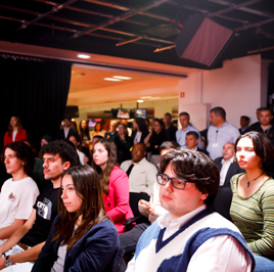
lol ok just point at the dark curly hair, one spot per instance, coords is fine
(64, 148)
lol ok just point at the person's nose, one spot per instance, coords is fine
(169, 186)
(64, 194)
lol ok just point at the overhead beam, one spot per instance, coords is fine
(120, 18)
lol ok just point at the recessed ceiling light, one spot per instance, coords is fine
(146, 97)
(83, 56)
(122, 77)
(111, 79)
(140, 101)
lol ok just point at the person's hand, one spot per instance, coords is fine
(2, 263)
(151, 209)
(148, 206)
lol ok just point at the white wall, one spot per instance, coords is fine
(236, 87)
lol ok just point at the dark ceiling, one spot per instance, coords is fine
(137, 28)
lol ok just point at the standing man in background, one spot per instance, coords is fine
(219, 132)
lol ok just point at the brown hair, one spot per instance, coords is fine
(262, 147)
(112, 159)
(87, 186)
(195, 167)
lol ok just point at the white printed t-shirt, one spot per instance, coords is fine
(16, 200)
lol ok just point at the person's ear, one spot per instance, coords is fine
(204, 196)
(66, 165)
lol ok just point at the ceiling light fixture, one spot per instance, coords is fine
(83, 56)
(140, 101)
(111, 79)
(122, 77)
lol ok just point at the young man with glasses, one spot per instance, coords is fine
(190, 237)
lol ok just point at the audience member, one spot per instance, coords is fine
(76, 140)
(114, 182)
(219, 132)
(15, 132)
(190, 237)
(98, 130)
(66, 131)
(228, 167)
(140, 130)
(82, 237)
(24, 246)
(85, 137)
(46, 139)
(186, 127)
(253, 197)
(264, 125)
(141, 173)
(151, 210)
(123, 143)
(129, 130)
(154, 139)
(170, 129)
(19, 193)
(109, 135)
(244, 123)
(192, 140)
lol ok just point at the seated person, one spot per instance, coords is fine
(253, 197)
(24, 246)
(82, 237)
(192, 141)
(114, 182)
(18, 193)
(228, 167)
(141, 173)
(151, 210)
(76, 140)
(190, 237)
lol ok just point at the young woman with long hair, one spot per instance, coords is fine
(123, 143)
(82, 237)
(114, 183)
(154, 140)
(140, 130)
(15, 132)
(253, 196)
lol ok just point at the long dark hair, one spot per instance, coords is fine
(19, 124)
(262, 147)
(141, 124)
(112, 160)
(87, 186)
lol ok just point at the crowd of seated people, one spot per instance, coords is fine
(83, 216)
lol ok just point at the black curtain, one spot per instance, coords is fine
(36, 91)
(270, 96)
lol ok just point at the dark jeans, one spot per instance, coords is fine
(129, 239)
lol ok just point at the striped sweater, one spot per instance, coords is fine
(254, 216)
(174, 253)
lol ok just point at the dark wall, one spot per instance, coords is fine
(37, 92)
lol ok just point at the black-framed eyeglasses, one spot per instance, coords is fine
(177, 183)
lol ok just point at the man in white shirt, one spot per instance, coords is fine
(141, 173)
(219, 132)
(228, 168)
(184, 119)
(190, 237)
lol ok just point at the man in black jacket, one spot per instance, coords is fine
(228, 168)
